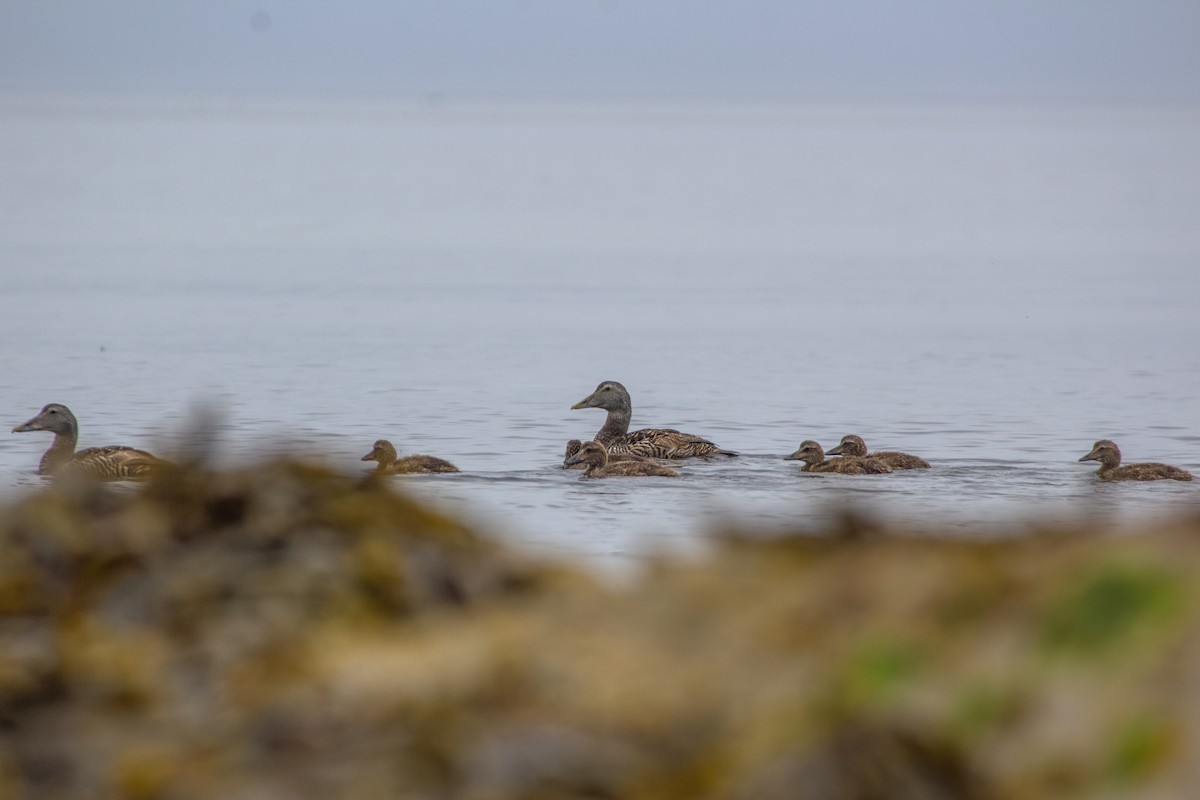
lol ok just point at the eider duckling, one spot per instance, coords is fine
(594, 457)
(390, 464)
(854, 447)
(573, 446)
(814, 461)
(112, 463)
(651, 442)
(1109, 455)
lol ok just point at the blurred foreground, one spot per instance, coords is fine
(286, 632)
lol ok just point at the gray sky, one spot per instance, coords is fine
(859, 49)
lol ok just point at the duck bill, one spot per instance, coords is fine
(32, 425)
(834, 451)
(571, 461)
(1092, 456)
(369, 456)
(793, 456)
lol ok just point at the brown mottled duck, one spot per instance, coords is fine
(652, 442)
(573, 446)
(391, 464)
(594, 457)
(854, 447)
(112, 463)
(814, 461)
(1109, 455)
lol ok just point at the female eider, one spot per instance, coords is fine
(112, 463)
(854, 447)
(814, 461)
(390, 464)
(594, 457)
(573, 446)
(652, 442)
(1109, 455)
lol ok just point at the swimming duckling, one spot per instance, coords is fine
(112, 463)
(594, 457)
(854, 447)
(1109, 455)
(652, 442)
(814, 461)
(573, 446)
(390, 464)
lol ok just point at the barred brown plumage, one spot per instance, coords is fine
(651, 442)
(573, 446)
(594, 457)
(111, 463)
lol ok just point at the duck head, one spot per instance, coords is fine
(850, 445)
(54, 417)
(384, 452)
(609, 395)
(809, 452)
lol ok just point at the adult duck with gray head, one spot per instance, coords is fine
(853, 446)
(652, 442)
(390, 462)
(112, 463)
(573, 446)
(594, 458)
(1109, 455)
(814, 460)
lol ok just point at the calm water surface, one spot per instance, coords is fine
(992, 289)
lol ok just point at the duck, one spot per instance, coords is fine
(573, 446)
(1109, 455)
(814, 460)
(391, 464)
(112, 463)
(594, 456)
(665, 443)
(853, 446)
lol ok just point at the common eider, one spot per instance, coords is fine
(573, 446)
(814, 461)
(853, 446)
(1109, 455)
(112, 463)
(651, 442)
(390, 464)
(594, 457)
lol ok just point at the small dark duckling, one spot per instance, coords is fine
(814, 461)
(651, 442)
(854, 447)
(1109, 455)
(594, 457)
(112, 463)
(573, 446)
(391, 464)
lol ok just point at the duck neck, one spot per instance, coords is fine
(596, 464)
(61, 451)
(616, 425)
